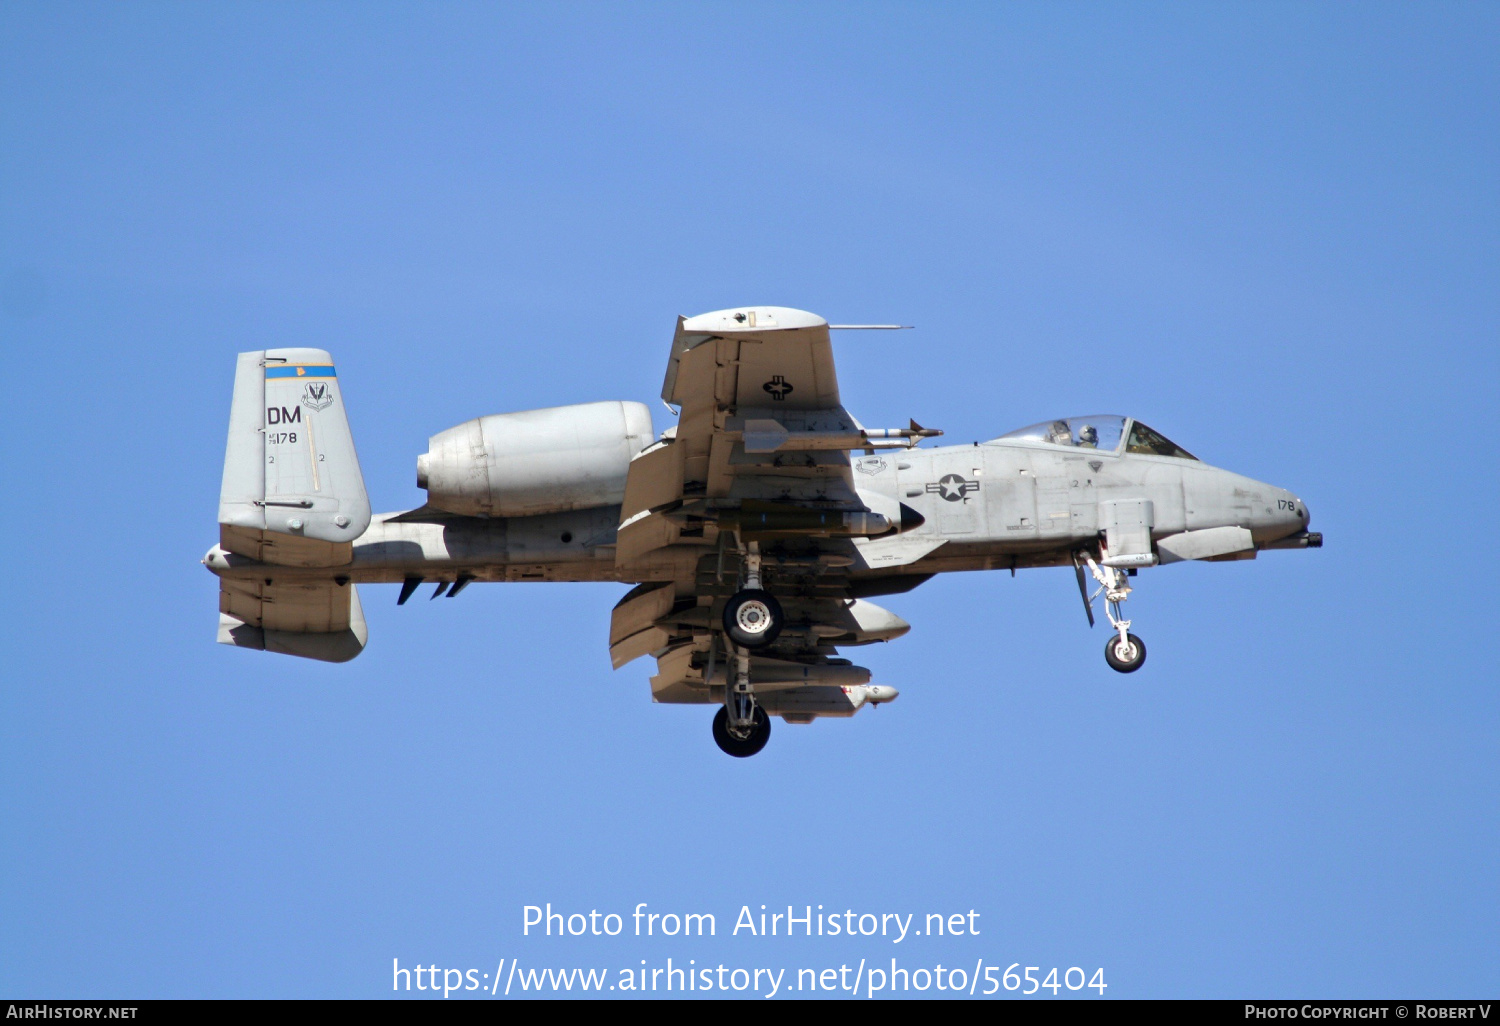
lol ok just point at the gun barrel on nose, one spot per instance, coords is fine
(1300, 540)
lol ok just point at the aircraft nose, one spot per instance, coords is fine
(1283, 515)
(1292, 518)
(1292, 510)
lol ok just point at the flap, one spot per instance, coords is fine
(641, 607)
(676, 680)
(654, 479)
(639, 537)
(632, 626)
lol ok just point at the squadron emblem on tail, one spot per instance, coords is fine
(317, 396)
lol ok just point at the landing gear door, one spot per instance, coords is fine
(1126, 525)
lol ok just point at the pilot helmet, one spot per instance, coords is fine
(1088, 433)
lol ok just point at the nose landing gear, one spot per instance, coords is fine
(752, 620)
(1125, 652)
(1125, 655)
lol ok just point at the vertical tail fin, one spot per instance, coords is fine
(292, 492)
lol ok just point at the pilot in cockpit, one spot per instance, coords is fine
(1058, 433)
(1088, 437)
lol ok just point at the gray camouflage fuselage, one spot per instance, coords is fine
(1013, 504)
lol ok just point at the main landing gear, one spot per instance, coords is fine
(741, 727)
(745, 742)
(752, 619)
(752, 616)
(1124, 652)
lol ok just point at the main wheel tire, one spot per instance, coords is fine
(760, 733)
(1130, 659)
(752, 618)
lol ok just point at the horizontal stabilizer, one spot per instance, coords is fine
(314, 620)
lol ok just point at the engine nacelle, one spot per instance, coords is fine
(537, 461)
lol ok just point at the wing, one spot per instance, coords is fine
(761, 450)
(754, 386)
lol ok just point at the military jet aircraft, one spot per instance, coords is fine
(756, 530)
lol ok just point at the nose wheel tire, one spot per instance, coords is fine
(1125, 656)
(742, 747)
(752, 618)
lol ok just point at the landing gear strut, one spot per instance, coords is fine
(752, 616)
(1125, 652)
(741, 727)
(752, 620)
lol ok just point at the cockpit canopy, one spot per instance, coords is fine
(1102, 431)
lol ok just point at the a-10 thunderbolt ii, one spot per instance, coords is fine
(755, 531)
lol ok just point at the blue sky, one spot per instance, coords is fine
(1269, 230)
